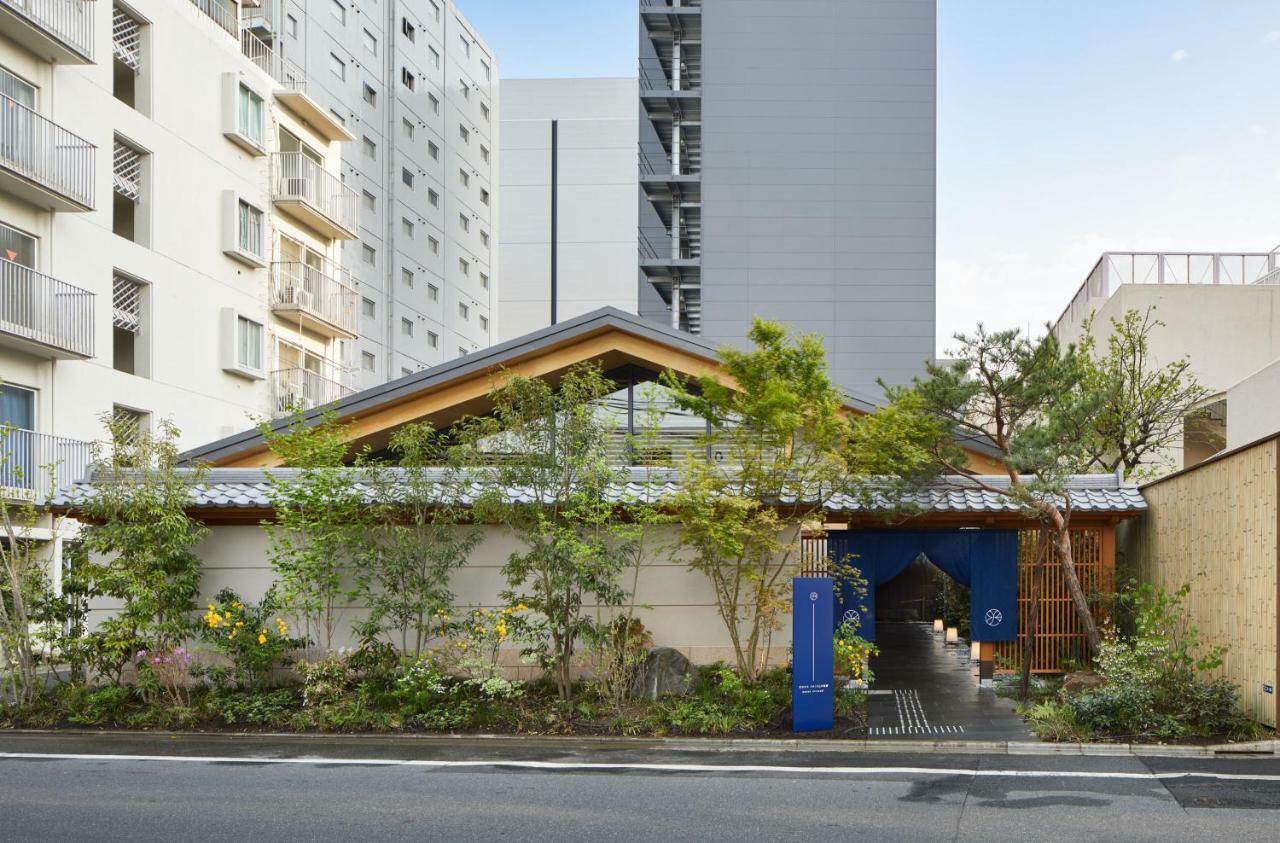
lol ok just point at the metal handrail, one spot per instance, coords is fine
(309, 288)
(38, 149)
(655, 75)
(272, 63)
(1116, 269)
(672, 4)
(42, 309)
(298, 178)
(222, 12)
(67, 21)
(33, 465)
(296, 388)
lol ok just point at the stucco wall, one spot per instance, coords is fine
(676, 605)
(1253, 407)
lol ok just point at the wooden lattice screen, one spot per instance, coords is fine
(1059, 636)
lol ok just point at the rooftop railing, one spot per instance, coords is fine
(33, 465)
(276, 66)
(1116, 269)
(44, 310)
(324, 293)
(222, 12)
(70, 22)
(44, 153)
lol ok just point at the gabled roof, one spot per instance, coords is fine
(445, 393)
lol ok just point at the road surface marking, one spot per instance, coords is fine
(571, 766)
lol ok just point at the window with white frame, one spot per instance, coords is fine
(488, 71)
(464, 134)
(435, 10)
(368, 254)
(433, 292)
(406, 227)
(464, 222)
(337, 66)
(433, 198)
(338, 11)
(463, 310)
(369, 201)
(464, 178)
(466, 45)
(409, 30)
(484, 281)
(368, 308)
(434, 245)
(484, 153)
(407, 78)
(433, 150)
(463, 266)
(434, 55)
(484, 237)
(466, 90)
(249, 337)
(406, 176)
(484, 111)
(484, 323)
(434, 101)
(406, 277)
(250, 110)
(250, 228)
(367, 361)
(370, 95)
(406, 326)
(407, 125)
(433, 339)
(370, 42)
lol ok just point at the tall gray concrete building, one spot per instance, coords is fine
(787, 170)
(417, 87)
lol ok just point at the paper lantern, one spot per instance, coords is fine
(953, 635)
(937, 625)
(975, 651)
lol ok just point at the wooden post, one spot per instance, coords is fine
(986, 663)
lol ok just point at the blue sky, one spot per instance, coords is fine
(1065, 128)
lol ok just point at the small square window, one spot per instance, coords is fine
(370, 42)
(433, 198)
(434, 245)
(406, 227)
(463, 266)
(405, 371)
(407, 125)
(464, 133)
(484, 280)
(484, 323)
(368, 361)
(464, 222)
(291, 25)
(464, 178)
(406, 176)
(406, 327)
(484, 111)
(433, 292)
(368, 308)
(370, 148)
(435, 56)
(369, 201)
(368, 254)
(463, 310)
(406, 277)
(484, 196)
(435, 9)
(433, 151)
(462, 352)
(466, 90)
(248, 344)
(433, 339)
(484, 153)
(435, 103)
(484, 237)
(370, 95)
(488, 72)
(407, 78)
(407, 28)
(337, 66)
(338, 11)
(466, 45)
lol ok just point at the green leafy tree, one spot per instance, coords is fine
(418, 535)
(552, 444)
(141, 544)
(1144, 404)
(320, 516)
(1029, 399)
(777, 431)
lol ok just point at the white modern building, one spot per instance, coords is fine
(417, 87)
(195, 227)
(568, 149)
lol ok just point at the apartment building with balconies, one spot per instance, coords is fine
(171, 214)
(417, 88)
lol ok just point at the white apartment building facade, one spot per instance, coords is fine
(418, 89)
(186, 223)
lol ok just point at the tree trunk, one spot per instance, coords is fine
(1069, 576)
(1033, 615)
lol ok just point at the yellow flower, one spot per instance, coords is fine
(239, 623)
(522, 608)
(262, 637)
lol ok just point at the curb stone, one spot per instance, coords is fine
(728, 745)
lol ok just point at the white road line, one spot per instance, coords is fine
(674, 768)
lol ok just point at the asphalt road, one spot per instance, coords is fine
(156, 787)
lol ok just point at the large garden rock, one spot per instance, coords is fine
(1075, 684)
(665, 671)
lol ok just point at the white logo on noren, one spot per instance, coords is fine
(813, 595)
(994, 617)
(852, 616)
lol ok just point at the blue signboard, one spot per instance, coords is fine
(813, 655)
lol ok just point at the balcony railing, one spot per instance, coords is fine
(1115, 269)
(320, 296)
(658, 75)
(301, 389)
(45, 311)
(45, 154)
(327, 203)
(671, 4)
(68, 23)
(222, 12)
(33, 465)
(272, 63)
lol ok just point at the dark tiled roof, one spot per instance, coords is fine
(242, 488)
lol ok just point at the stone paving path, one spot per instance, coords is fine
(925, 689)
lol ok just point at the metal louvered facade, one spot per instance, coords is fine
(126, 171)
(126, 39)
(126, 304)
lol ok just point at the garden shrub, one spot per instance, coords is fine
(253, 638)
(721, 703)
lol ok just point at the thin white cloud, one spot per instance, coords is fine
(1178, 55)
(1272, 37)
